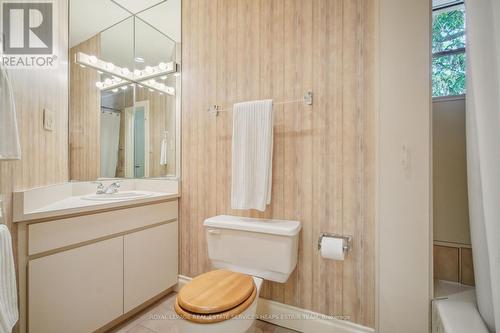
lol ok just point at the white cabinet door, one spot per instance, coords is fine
(150, 263)
(78, 290)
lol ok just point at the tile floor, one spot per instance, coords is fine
(161, 318)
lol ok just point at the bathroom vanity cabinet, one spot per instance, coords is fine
(87, 272)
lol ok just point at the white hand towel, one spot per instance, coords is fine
(8, 290)
(252, 155)
(10, 148)
(164, 152)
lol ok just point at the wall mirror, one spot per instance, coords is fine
(124, 89)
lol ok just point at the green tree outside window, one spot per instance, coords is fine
(448, 48)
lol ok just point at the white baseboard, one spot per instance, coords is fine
(182, 280)
(296, 318)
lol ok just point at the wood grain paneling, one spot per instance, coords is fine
(84, 115)
(44, 154)
(323, 155)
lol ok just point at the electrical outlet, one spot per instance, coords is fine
(48, 120)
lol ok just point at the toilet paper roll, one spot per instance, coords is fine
(332, 248)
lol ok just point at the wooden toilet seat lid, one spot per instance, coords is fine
(215, 292)
(215, 317)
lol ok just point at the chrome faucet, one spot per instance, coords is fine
(100, 188)
(111, 189)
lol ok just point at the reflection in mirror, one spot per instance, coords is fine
(113, 131)
(125, 95)
(117, 44)
(153, 48)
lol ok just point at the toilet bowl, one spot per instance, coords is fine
(244, 251)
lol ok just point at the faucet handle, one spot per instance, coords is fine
(100, 187)
(113, 187)
(116, 184)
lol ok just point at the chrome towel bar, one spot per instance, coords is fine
(307, 100)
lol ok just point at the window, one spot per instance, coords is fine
(448, 51)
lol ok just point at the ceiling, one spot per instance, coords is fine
(89, 17)
(117, 45)
(166, 17)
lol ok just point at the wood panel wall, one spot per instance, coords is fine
(44, 154)
(323, 155)
(84, 115)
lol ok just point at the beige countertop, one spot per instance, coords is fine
(65, 199)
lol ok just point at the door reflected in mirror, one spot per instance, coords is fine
(124, 90)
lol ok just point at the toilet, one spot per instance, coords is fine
(244, 252)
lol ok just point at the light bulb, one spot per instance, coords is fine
(137, 72)
(110, 66)
(99, 84)
(115, 90)
(125, 71)
(108, 81)
(149, 69)
(162, 65)
(93, 59)
(124, 88)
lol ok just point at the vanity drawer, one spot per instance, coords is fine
(47, 236)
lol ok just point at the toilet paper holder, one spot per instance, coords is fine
(347, 247)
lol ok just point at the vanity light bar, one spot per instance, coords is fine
(156, 86)
(122, 76)
(111, 84)
(163, 68)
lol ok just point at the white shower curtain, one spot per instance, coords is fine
(483, 152)
(110, 138)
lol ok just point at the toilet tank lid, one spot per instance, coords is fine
(267, 226)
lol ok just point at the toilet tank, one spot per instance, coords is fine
(264, 248)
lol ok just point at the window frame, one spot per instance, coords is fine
(461, 50)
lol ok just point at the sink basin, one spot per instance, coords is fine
(125, 195)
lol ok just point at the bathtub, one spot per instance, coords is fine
(457, 312)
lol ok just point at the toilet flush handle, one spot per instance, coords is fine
(214, 231)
